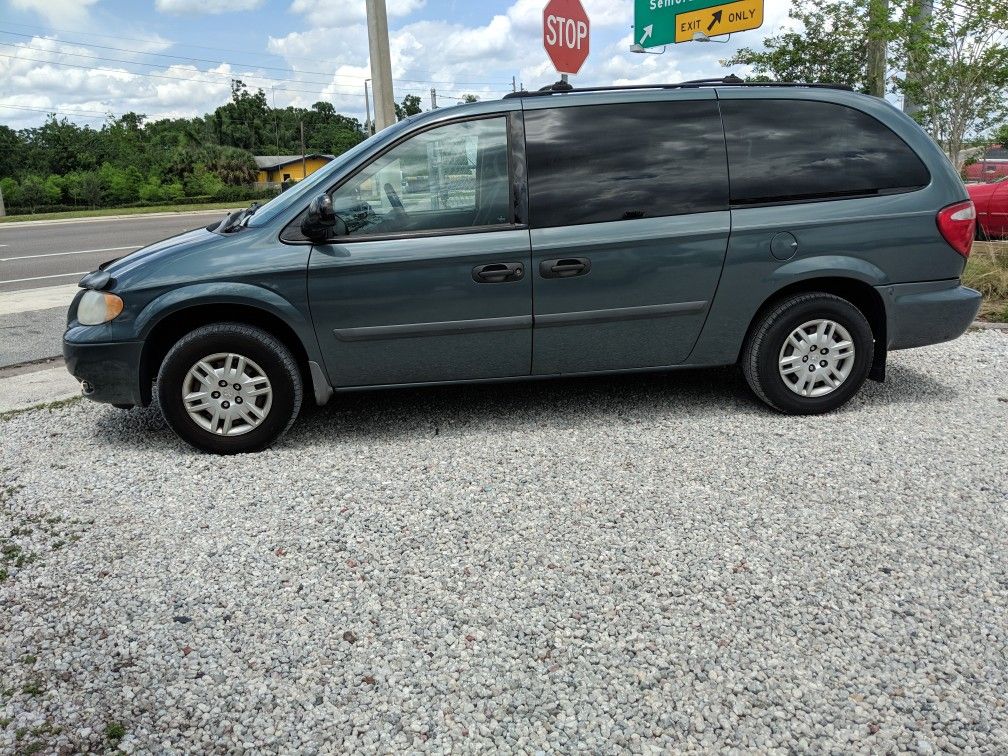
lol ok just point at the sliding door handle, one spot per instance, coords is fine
(567, 267)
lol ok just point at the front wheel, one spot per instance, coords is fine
(808, 354)
(229, 388)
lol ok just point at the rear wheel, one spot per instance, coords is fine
(808, 354)
(229, 388)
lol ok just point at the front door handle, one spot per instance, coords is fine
(498, 272)
(567, 267)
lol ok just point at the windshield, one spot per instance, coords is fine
(303, 190)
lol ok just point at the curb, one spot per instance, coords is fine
(22, 391)
(100, 218)
(981, 325)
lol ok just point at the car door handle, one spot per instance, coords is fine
(498, 272)
(567, 267)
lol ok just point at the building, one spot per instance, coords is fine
(990, 166)
(277, 169)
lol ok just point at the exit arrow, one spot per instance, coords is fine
(716, 19)
(647, 33)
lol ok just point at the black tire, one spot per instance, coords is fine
(276, 362)
(761, 353)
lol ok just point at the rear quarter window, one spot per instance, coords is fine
(601, 163)
(782, 151)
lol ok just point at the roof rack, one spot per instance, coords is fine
(563, 87)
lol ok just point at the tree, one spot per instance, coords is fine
(962, 50)
(470, 98)
(827, 42)
(410, 107)
(32, 191)
(91, 188)
(11, 191)
(1001, 136)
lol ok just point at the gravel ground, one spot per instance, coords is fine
(603, 565)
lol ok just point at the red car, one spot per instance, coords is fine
(991, 202)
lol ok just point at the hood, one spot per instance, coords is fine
(159, 251)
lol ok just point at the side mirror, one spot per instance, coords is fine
(320, 222)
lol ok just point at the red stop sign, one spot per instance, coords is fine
(565, 34)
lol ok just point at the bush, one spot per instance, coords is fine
(11, 191)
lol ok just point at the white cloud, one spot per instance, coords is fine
(321, 13)
(455, 58)
(57, 12)
(205, 6)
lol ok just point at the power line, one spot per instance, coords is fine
(359, 79)
(231, 76)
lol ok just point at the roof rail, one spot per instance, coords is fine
(562, 87)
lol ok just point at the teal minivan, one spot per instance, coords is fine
(799, 231)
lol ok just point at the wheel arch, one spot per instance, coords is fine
(858, 292)
(168, 329)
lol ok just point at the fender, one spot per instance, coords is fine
(826, 266)
(249, 295)
(744, 289)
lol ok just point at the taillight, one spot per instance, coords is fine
(957, 224)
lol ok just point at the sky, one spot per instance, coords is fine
(176, 58)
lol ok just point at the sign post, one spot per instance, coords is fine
(566, 35)
(666, 22)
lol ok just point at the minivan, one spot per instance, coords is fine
(798, 231)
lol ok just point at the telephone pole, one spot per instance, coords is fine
(368, 126)
(433, 98)
(381, 64)
(925, 10)
(878, 40)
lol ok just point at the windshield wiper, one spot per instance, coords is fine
(235, 218)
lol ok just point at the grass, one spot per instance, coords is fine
(987, 272)
(102, 212)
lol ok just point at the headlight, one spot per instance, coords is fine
(97, 307)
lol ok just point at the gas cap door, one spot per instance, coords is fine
(784, 246)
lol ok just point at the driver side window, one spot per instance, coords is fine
(450, 177)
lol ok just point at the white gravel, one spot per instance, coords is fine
(605, 565)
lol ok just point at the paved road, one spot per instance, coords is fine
(52, 254)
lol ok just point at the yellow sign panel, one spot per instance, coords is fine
(721, 19)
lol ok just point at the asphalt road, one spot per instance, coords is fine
(45, 254)
(41, 253)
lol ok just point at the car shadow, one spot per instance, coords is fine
(564, 403)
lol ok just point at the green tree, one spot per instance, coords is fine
(962, 54)
(91, 188)
(826, 42)
(470, 98)
(1001, 136)
(54, 189)
(410, 106)
(11, 191)
(32, 192)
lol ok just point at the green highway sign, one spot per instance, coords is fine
(655, 20)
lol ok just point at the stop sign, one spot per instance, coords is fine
(565, 34)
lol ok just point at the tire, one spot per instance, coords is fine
(769, 353)
(225, 420)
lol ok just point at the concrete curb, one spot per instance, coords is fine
(22, 391)
(100, 218)
(990, 326)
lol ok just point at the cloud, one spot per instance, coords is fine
(184, 7)
(339, 14)
(57, 12)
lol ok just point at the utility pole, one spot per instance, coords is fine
(367, 108)
(514, 84)
(2, 211)
(922, 20)
(304, 168)
(878, 40)
(381, 64)
(433, 98)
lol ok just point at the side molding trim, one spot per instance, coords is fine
(447, 328)
(619, 313)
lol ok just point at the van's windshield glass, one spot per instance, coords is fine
(303, 191)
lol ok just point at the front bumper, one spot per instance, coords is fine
(928, 313)
(108, 372)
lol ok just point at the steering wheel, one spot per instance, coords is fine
(393, 198)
